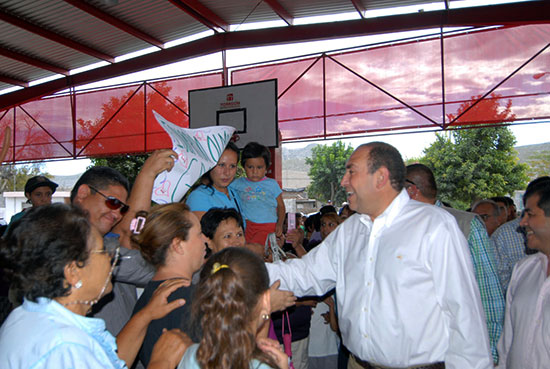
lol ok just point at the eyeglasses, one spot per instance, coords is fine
(485, 217)
(112, 202)
(409, 183)
(113, 254)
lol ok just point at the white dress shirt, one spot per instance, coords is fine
(525, 339)
(405, 287)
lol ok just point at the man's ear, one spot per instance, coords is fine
(82, 193)
(382, 177)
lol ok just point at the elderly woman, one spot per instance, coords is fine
(223, 227)
(59, 263)
(213, 192)
(172, 241)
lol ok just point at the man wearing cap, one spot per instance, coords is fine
(38, 191)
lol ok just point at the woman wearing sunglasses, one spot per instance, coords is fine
(59, 263)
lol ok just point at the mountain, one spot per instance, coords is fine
(295, 168)
(525, 152)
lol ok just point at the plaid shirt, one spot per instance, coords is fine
(484, 260)
(510, 248)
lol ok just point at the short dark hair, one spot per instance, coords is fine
(100, 177)
(326, 209)
(533, 184)
(313, 220)
(423, 178)
(542, 189)
(162, 225)
(385, 155)
(256, 150)
(496, 209)
(213, 217)
(38, 246)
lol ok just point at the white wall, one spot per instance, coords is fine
(16, 201)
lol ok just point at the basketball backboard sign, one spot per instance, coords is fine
(249, 107)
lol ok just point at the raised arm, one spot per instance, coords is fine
(140, 197)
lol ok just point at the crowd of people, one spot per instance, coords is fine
(226, 278)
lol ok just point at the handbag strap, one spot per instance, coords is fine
(287, 323)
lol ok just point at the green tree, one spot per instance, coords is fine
(14, 177)
(327, 167)
(471, 164)
(128, 165)
(539, 164)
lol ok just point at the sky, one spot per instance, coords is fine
(410, 144)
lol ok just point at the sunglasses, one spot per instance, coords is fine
(112, 202)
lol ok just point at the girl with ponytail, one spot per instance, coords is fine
(232, 305)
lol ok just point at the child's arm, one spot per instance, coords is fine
(281, 211)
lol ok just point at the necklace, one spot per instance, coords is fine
(94, 301)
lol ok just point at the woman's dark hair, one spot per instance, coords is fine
(213, 217)
(225, 304)
(255, 150)
(206, 179)
(162, 225)
(37, 247)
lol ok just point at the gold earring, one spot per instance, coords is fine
(265, 316)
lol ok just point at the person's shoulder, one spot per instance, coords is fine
(239, 184)
(529, 261)
(189, 359)
(509, 227)
(272, 182)
(42, 329)
(257, 364)
(198, 195)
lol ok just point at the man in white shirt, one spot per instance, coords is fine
(525, 339)
(405, 286)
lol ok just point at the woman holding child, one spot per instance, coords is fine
(213, 190)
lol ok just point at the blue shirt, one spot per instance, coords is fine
(45, 335)
(204, 198)
(259, 199)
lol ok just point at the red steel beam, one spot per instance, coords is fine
(115, 22)
(32, 61)
(42, 32)
(13, 81)
(280, 11)
(358, 5)
(202, 14)
(509, 14)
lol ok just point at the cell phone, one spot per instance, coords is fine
(291, 221)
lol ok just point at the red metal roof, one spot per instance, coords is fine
(45, 38)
